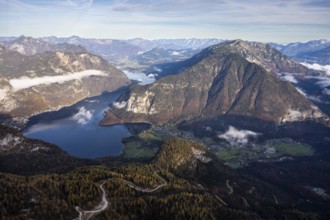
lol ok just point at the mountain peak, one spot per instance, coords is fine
(220, 80)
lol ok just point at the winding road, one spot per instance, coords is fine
(149, 190)
(97, 210)
(103, 205)
(231, 190)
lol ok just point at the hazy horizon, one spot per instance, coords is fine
(254, 20)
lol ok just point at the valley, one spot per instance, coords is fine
(203, 129)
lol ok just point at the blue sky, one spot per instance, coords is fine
(281, 21)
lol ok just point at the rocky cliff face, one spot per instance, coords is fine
(48, 81)
(218, 81)
(266, 56)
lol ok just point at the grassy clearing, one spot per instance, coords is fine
(135, 149)
(293, 149)
(236, 153)
(150, 136)
(228, 154)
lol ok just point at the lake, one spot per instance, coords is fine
(75, 129)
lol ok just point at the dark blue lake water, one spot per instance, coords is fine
(75, 129)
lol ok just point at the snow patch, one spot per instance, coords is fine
(27, 82)
(83, 116)
(316, 66)
(238, 137)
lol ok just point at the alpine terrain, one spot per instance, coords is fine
(50, 80)
(233, 78)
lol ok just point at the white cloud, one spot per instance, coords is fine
(27, 82)
(316, 66)
(289, 78)
(326, 91)
(81, 3)
(83, 116)
(175, 53)
(238, 137)
(141, 77)
(323, 82)
(40, 127)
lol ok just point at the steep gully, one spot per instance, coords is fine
(103, 205)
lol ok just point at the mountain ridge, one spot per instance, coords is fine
(52, 80)
(217, 81)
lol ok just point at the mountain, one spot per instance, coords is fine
(218, 81)
(119, 50)
(267, 57)
(160, 55)
(293, 49)
(315, 51)
(192, 43)
(277, 46)
(320, 56)
(111, 50)
(262, 54)
(184, 158)
(4, 40)
(21, 155)
(32, 46)
(51, 80)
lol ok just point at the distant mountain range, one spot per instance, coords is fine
(32, 46)
(314, 51)
(320, 56)
(231, 78)
(137, 50)
(294, 49)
